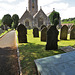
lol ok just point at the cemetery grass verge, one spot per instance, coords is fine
(4, 32)
(35, 49)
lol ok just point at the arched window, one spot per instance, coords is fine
(32, 4)
(27, 23)
(40, 22)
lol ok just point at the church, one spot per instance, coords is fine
(32, 17)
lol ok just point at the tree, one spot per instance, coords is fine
(54, 17)
(15, 19)
(7, 20)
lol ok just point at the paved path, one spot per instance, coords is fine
(9, 40)
(8, 55)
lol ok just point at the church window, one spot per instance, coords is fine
(40, 22)
(27, 23)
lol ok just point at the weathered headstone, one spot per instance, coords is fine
(48, 26)
(72, 33)
(6, 27)
(72, 26)
(52, 38)
(22, 31)
(44, 34)
(43, 26)
(2, 26)
(36, 32)
(64, 32)
(1, 31)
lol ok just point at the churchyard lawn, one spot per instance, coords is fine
(35, 49)
(4, 32)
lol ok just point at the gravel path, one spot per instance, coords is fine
(9, 40)
(8, 55)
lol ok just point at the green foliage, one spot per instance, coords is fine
(7, 20)
(56, 21)
(4, 32)
(54, 17)
(69, 20)
(0, 22)
(15, 19)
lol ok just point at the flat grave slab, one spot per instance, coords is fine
(67, 49)
(61, 64)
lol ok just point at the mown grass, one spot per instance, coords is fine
(4, 32)
(35, 49)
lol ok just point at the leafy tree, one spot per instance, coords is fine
(7, 20)
(54, 17)
(15, 19)
(0, 22)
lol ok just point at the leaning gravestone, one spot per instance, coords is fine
(44, 34)
(64, 32)
(72, 33)
(52, 38)
(22, 31)
(43, 26)
(36, 32)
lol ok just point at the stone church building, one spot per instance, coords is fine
(32, 17)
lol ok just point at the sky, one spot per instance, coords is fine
(66, 8)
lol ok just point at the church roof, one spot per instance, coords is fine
(48, 13)
(39, 12)
(25, 15)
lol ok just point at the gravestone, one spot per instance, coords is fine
(73, 27)
(1, 31)
(43, 26)
(67, 49)
(6, 27)
(22, 31)
(48, 26)
(44, 34)
(72, 33)
(2, 27)
(52, 38)
(36, 32)
(64, 32)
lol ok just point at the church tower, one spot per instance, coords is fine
(33, 6)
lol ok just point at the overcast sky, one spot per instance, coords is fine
(66, 8)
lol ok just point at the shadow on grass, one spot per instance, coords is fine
(31, 51)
